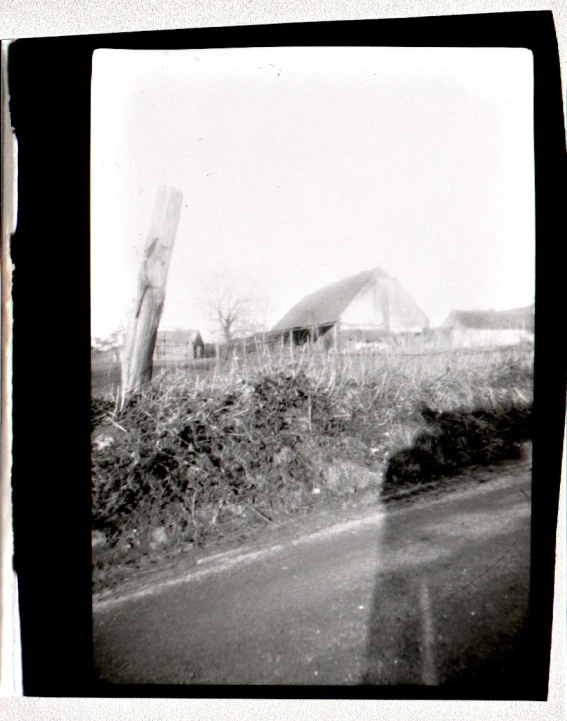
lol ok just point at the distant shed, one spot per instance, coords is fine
(178, 345)
(363, 309)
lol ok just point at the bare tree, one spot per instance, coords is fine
(234, 305)
(110, 342)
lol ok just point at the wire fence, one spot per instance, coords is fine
(106, 364)
(201, 359)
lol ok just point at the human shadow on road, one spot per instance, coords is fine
(409, 629)
(452, 441)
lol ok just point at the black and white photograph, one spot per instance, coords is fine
(312, 336)
(283, 387)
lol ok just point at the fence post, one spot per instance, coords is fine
(146, 311)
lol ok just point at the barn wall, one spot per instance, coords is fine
(471, 337)
(384, 305)
(367, 310)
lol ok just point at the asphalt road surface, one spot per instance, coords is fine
(430, 592)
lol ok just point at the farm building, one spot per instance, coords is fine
(490, 327)
(358, 312)
(178, 345)
(172, 347)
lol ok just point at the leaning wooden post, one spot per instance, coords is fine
(146, 311)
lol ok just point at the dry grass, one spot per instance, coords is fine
(268, 434)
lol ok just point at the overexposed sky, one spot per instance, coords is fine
(300, 166)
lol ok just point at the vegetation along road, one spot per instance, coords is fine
(429, 591)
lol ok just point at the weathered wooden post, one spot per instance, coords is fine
(147, 308)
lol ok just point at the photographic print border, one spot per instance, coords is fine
(49, 83)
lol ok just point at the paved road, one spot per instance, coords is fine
(433, 592)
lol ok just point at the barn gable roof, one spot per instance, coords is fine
(327, 304)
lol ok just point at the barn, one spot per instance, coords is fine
(355, 313)
(178, 345)
(490, 327)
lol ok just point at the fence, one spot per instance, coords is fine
(105, 364)
(106, 373)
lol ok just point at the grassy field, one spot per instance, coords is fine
(205, 451)
(106, 377)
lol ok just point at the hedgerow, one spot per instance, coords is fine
(256, 444)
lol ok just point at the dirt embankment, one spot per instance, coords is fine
(115, 567)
